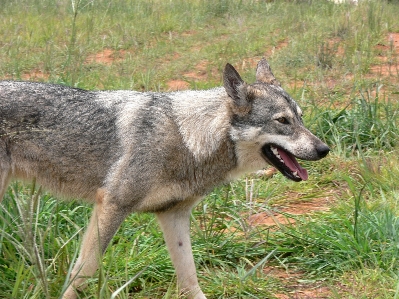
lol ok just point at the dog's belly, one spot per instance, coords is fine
(68, 176)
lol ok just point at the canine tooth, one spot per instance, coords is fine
(295, 173)
(275, 152)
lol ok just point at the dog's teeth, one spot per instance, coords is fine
(295, 173)
(275, 152)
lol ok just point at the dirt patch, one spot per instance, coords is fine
(386, 71)
(295, 285)
(388, 53)
(175, 85)
(294, 204)
(201, 72)
(313, 293)
(285, 214)
(35, 75)
(188, 33)
(107, 57)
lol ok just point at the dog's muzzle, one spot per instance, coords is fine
(287, 164)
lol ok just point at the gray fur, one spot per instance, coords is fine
(127, 151)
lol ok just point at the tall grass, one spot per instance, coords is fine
(32, 244)
(369, 122)
(358, 236)
(347, 239)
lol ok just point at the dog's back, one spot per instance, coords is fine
(58, 134)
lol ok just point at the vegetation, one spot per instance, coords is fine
(341, 63)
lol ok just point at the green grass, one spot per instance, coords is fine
(322, 53)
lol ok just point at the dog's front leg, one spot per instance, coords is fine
(175, 224)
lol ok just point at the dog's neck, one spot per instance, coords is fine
(203, 119)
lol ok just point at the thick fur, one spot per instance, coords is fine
(129, 151)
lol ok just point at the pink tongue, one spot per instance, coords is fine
(293, 164)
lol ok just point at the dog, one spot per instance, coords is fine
(129, 151)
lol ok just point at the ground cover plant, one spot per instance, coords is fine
(333, 236)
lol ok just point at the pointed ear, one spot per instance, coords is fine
(232, 81)
(264, 73)
(236, 88)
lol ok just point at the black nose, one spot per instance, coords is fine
(322, 150)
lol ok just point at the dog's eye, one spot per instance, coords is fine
(282, 120)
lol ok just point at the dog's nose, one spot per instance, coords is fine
(322, 150)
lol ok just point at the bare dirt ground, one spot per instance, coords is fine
(293, 207)
(296, 286)
(106, 56)
(35, 75)
(388, 57)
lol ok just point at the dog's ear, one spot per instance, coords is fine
(232, 81)
(236, 88)
(264, 73)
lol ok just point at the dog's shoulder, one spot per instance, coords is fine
(203, 119)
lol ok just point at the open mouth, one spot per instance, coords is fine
(285, 162)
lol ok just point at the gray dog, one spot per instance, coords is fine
(128, 151)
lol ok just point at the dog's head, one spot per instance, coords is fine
(266, 118)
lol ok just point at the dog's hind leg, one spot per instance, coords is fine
(175, 224)
(5, 171)
(104, 223)
(4, 181)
